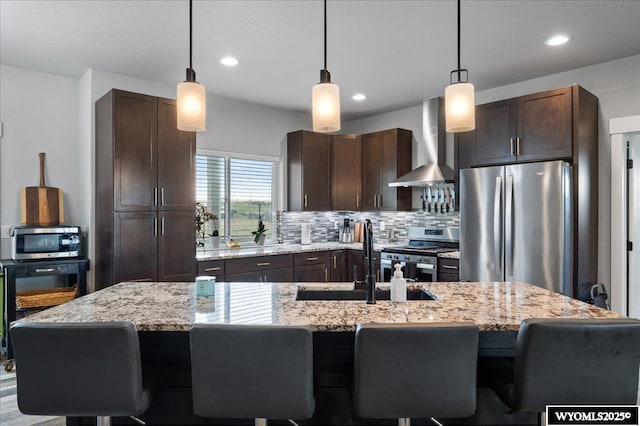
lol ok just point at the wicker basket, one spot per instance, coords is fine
(45, 297)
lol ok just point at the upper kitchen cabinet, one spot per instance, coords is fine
(386, 155)
(308, 171)
(536, 127)
(346, 172)
(145, 191)
(153, 162)
(176, 161)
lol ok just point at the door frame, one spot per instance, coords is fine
(619, 129)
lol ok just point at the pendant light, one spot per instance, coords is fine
(192, 102)
(325, 96)
(459, 98)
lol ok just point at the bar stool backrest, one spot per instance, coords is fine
(576, 361)
(416, 370)
(78, 369)
(247, 371)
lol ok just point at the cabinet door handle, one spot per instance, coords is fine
(311, 259)
(162, 226)
(155, 196)
(449, 267)
(212, 269)
(162, 196)
(263, 264)
(375, 201)
(518, 146)
(155, 226)
(305, 200)
(357, 201)
(335, 262)
(511, 145)
(326, 275)
(379, 201)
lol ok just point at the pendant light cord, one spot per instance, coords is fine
(325, 34)
(459, 41)
(191, 34)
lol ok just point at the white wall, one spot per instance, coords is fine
(615, 83)
(40, 114)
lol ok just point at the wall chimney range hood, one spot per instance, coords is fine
(433, 133)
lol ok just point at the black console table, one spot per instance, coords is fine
(35, 268)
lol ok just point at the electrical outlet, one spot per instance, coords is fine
(4, 231)
(382, 226)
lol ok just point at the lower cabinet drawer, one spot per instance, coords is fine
(259, 263)
(213, 268)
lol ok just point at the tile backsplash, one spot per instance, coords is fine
(326, 226)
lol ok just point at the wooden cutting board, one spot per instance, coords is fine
(42, 205)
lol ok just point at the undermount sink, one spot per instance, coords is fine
(320, 294)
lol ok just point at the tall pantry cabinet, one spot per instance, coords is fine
(145, 191)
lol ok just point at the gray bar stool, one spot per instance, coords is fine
(245, 371)
(416, 370)
(571, 362)
(79, 369)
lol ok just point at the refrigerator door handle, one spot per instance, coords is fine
(509, 228)
(497, 223)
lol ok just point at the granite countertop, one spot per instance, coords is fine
(493, 306)
(286, 248)
(450, 255)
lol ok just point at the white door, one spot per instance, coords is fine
(634, 227)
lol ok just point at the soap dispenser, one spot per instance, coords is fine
(398, 285)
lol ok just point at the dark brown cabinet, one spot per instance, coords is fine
(448, 269)
(356, 267)
(277, 268)
(145, 191)
(212, 268)
(311, 267)
(308, 171)
(386, 156)
(338, 266)
(535, 127)
(346, 172)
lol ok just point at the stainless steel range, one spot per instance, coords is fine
(419, 259)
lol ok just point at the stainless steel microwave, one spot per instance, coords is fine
(44, 242)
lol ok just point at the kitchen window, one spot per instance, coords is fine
(237, 188)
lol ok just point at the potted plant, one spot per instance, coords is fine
(258, 234)
(202, 217)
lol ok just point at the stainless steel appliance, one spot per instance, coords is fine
(44, 242)
(515, 224)
(419, 259)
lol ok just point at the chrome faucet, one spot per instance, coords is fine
(370, 277)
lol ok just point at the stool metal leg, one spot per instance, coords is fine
(435, 422)
(103, 421)
(404, 421)
(261, 422)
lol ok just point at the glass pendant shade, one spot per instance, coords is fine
(192, 106)
(459, 104)
(325, 101)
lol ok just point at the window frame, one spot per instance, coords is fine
(275, 196)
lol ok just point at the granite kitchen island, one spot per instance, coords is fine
(164, 313)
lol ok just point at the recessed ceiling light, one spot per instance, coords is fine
(358, 97)
(557, 40)
(229, 61)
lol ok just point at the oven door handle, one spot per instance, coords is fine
(425, 266)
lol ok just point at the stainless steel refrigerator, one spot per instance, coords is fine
(515, 225)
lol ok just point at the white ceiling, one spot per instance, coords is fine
(396, 52)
